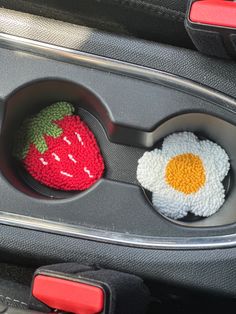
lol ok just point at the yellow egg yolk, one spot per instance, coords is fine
(185, 173)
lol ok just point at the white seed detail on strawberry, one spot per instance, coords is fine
(79, 138)
(66, 140)
(72, 158)
(57, 158)
(88, 172)
(58, 149)
(45, 163)
(66, 174)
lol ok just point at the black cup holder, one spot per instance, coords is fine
(31, 98)
(221, 132)
(28, 100)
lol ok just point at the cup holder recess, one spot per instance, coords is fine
(31, 98)
(205, 126)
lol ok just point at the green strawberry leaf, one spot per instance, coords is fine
(33, 130)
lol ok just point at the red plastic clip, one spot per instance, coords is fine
(214, 12)
(68, 296)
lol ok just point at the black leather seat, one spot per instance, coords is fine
(157, 20)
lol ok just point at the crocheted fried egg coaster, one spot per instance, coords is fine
(185, 175)
(58, 149)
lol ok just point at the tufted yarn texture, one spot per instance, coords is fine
(58, 149)
(185, 176)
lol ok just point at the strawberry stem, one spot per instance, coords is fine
(33, 130)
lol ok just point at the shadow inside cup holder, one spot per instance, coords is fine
(121, 146)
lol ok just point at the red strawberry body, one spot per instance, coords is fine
(72, 160)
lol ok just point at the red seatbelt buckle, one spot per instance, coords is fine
(211, 24)
(70, 294)
(83, 289)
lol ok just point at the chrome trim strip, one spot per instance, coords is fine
(102, 63)
(190, 243)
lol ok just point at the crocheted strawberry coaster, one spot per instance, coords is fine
(58, 149)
